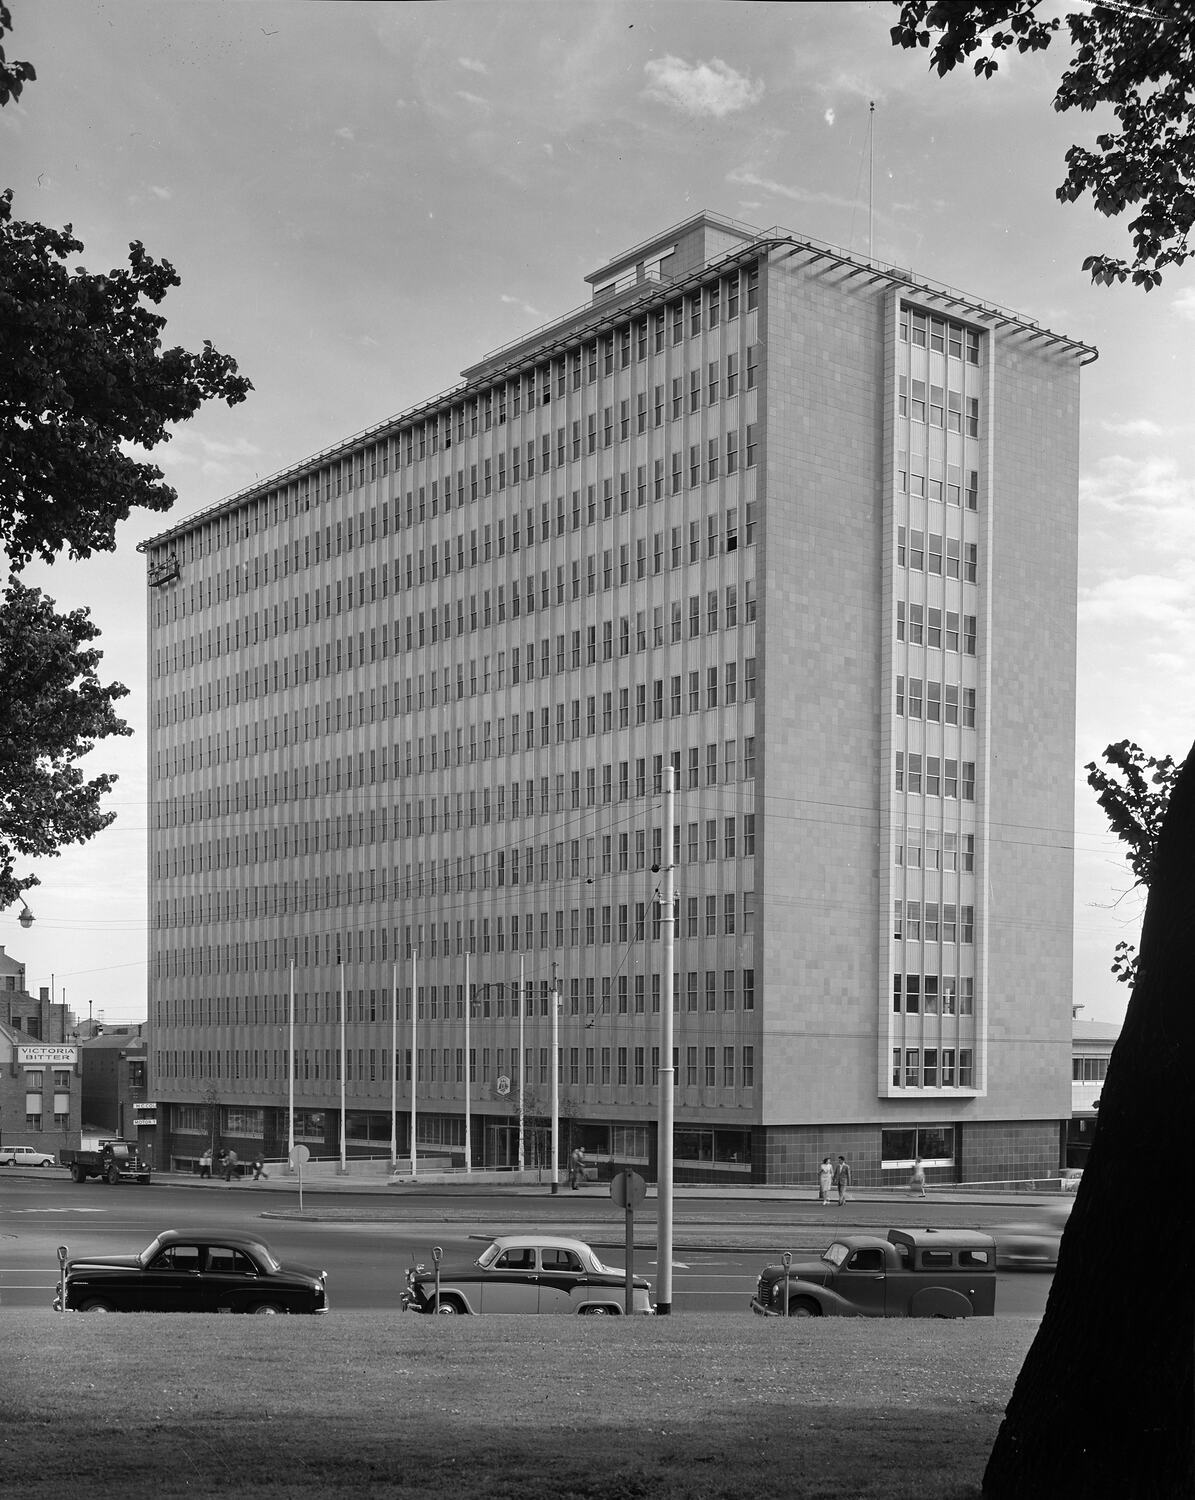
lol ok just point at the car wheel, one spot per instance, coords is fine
(96, 1304)
(266, 1309)
(78, 1174)
(114, 1174)
(804, 1307)
(449, 1308)
(599, 1310)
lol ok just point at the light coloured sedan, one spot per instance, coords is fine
(25, 1156)
(526, 1273)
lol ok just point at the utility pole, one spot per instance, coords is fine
(664, 1144)
(555, 1080)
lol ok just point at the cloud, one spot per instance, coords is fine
(164, 194)
(474, 99)
(1136, 427)
(345, 133)
(829, 116)
(741, 177)
(712, 88)
(1160, 600)
(1184, 303)
(472, 65)
(524, 307)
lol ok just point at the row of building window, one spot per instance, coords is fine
(933, 1067)
(623, 1067)
(939, 335)
(300, 783)
(933, 921)
(934, 776)
(934, 994)
(725, 838)
(919, 487)
(622, 994)
(939, 705)
(922, 626)
(732, 912)
(930, 552)
(943, 849)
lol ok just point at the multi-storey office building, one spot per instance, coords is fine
(804, 526)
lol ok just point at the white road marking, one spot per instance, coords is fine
(13, 1212)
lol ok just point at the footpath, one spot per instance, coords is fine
(706, 1216)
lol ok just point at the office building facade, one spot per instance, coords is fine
(800, 525)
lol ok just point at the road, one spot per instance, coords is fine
(366, 1242)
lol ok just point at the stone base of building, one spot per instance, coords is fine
(983, 1151)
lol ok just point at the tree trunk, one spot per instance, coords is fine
(1103, 1405)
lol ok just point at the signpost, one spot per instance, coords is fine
(298, 1155)
(628, 1190)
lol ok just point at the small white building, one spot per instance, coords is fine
(1091, 1047)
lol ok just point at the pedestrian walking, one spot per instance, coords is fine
(917, 1181)
(205, 1163)
(842, 1179)
(230, 1165)
(576, 1168)
(825, 1180)
(259, 1168)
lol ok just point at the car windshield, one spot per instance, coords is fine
(489, 1254)
(150, 1251)
(836, 1254)
(265, 1257)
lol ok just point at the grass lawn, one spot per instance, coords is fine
(354, 1404)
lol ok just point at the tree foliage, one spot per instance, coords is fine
(1138, 59)
(1135, 794)
(84, 380)
(13, 75)
(55, 711)
(82, 374)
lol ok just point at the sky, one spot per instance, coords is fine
(364, 199)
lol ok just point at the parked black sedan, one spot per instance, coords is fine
(207, 1271)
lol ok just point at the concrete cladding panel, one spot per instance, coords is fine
(819, 724)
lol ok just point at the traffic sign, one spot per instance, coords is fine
(628, 1189)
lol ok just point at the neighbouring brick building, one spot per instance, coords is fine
(40, 1075)
(800, 523)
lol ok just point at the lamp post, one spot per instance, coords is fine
(555, 1081)
(664, 1145)
(468, 1122)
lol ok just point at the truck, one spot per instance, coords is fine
(114, 1160)
(913, 1273)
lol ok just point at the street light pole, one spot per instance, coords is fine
(290, 1068)
(555, 1081)
(664, 1144)
(414, 1059)
(468, 1008)
(344, 1062)
(394, 1066)
(522, 1060)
